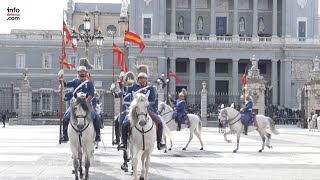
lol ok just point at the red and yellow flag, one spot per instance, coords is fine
(68, 36)
(64, 56)
(244, 80)
(117, 50)
(134, 38)
(124, 66)
(175, 76)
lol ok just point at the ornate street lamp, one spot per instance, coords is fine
(162, 83)
(85, 35)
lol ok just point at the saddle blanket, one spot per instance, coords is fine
(251, 118)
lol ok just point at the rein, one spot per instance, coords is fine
(143, 133)
(229, 121)
(79, 131)
(165, 114)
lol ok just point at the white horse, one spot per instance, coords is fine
(81, 134)
(312, 122)
(165, 111)
(232, 117)
(318, 123)
(143, 135)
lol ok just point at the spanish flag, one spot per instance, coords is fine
(117, 50)
(124, 66)
(134, 38)
(63, 58)
(175, 76)
(68, 36)
(244, 78)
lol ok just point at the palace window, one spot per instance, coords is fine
(263, 68)
(200, 67)
(20, 61)
(242, 68)
(147, 23)
(46, 102)
(73, 59)
(98, 62)
(181, 66)
(222, 68)
(46, 61)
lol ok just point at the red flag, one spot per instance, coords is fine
(134, 38)
(124, 66)
(175, 76)
(68, 36)
(120, 54)
(244, 80)
(63, 58)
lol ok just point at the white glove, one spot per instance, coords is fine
(122, 74)
(60, 74)
(112, 87)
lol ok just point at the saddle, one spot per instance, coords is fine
(248, 117)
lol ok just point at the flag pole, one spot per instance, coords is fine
(113, 101)
(61, 81)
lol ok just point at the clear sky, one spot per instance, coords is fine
(37, 14)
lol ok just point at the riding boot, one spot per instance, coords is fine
(97, 129)
(246, 124)
(179, 124)
(124, 138)
(65, 137)
(117, 133)
(159, 137)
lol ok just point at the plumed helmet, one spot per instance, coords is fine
(130, 78)
(85, 62)
(142, 68)
(82, 68)
(183, 92)
(142, 74)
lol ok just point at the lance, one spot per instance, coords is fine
(61, 82)
(113, 103)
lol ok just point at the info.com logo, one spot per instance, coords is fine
(13, 14)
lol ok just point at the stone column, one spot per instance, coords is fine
(274, 81)
(255, 19)
(274, 18)
(162, 19)
(172, 82)
(173, 17)
(212, 19)
(212, 80)
(162, 61)
(235, 18)
(192, 80)
(316, 20)
(282, 83)
(235, 76)
(204, 104)
(132, 63)
(25, 103)
(193, 18)
(287, 83)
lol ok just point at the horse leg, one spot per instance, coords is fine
(87, 166)
(263, 140)
(135, 163)
(143, 157)
(238, 140)
(147, 164)
(171, 144)
(76, 165)
(225, 136)
(165, 142)
(80, 164)
(268, 135)
(190, 138)
(199, 137)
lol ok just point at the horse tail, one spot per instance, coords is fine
(199, 125)
(272, 127)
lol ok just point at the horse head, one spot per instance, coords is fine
(138, 110)
(79, 110)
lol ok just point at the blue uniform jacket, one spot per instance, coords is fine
(248, 107)
(152, 96)
(86, 88)
(126, 100)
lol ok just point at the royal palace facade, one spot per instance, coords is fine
(208, 41)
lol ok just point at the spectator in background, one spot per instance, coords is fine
(4, 117)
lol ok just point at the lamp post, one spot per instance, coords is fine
(86, 36)
(162, 83)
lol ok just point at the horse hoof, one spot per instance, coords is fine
(96, 147)
(229, 141)
(76, 178)
(165, 151)
(73, 172)
(234, 151)
(141, 178)
(201, 149)
(260, 150)
(183, 149)
(270, 147)
(124, 168)
(81, 176)
(170, 149)
(131, 173)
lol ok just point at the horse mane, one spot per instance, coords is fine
(83, 103)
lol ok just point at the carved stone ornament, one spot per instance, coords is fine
(255, 96)
(302, 3)
(147, 2)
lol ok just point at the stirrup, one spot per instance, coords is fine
(64, 139)
(122, 146)
(115, 142)
(161, 146)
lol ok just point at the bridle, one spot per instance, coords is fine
(231, 119)
(142, 132)
(77, 130)
(159, 112)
